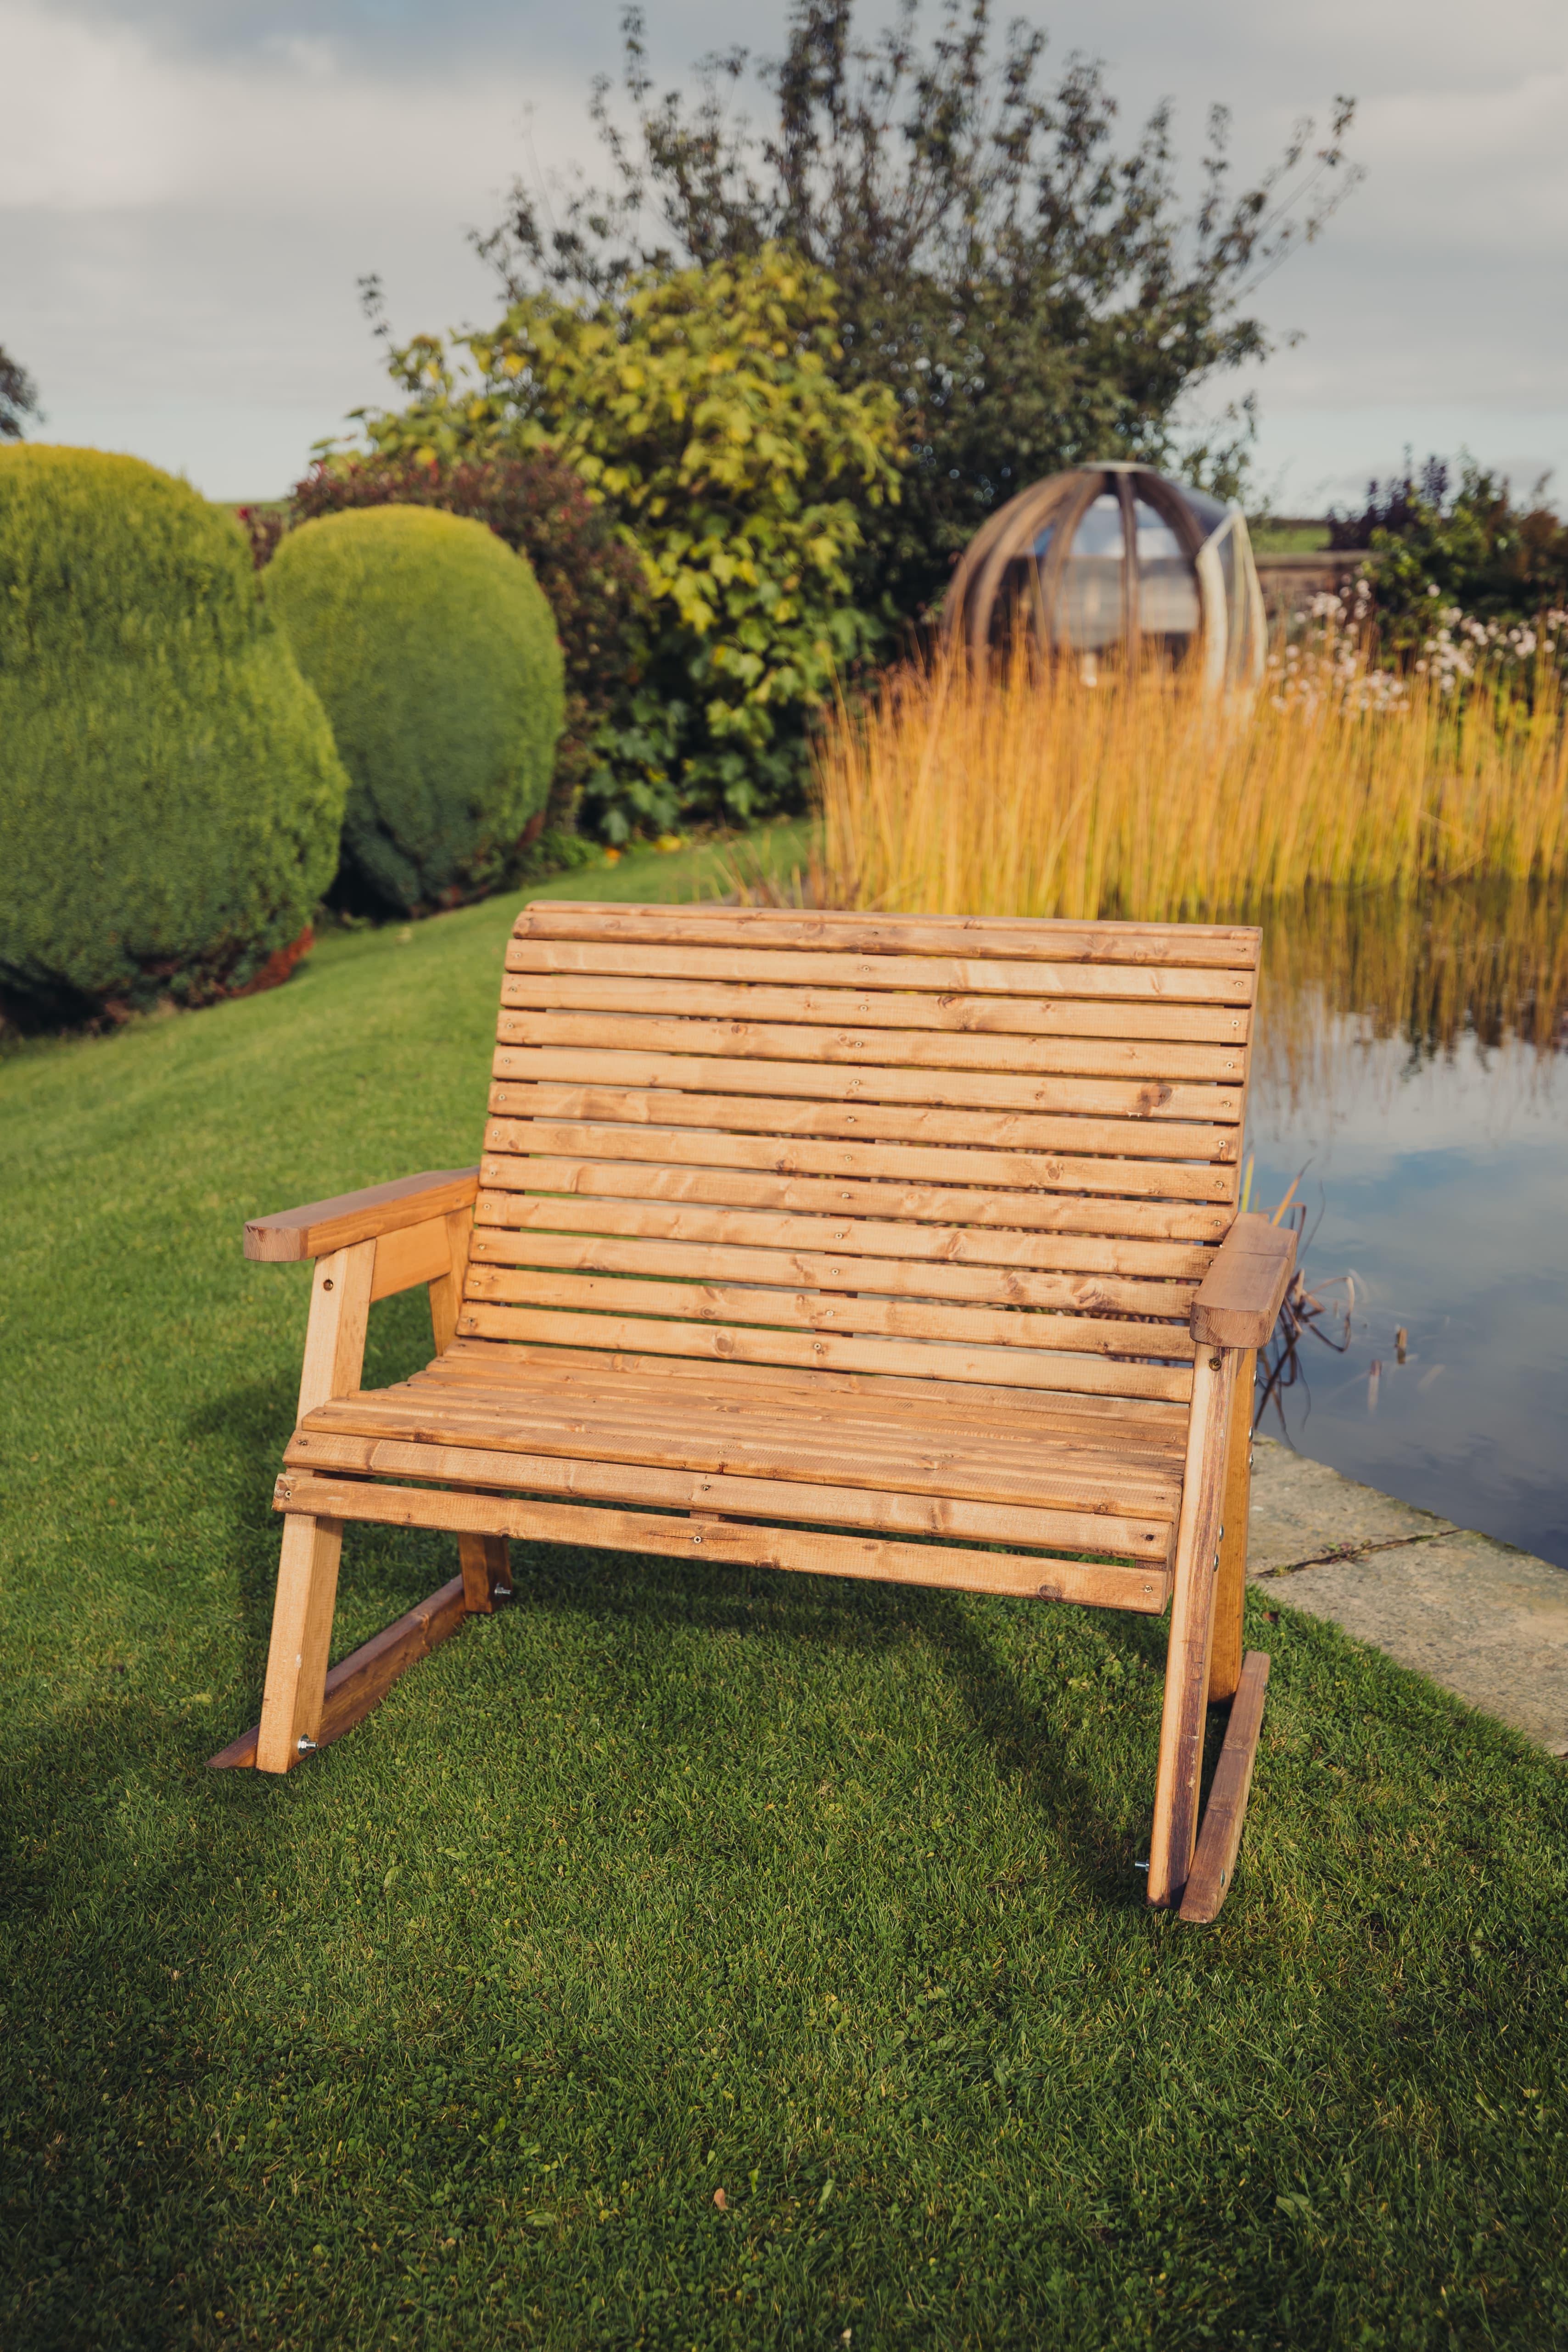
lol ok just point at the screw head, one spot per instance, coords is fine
(306, 1746)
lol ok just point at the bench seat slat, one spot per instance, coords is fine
(881, 1511)
(1123, 1100)
(1035, 1413)
(943, 1208)
(1034, 1020)
(939, 974)
(949, 1164)
(1039, 1460)
(1103, 1586)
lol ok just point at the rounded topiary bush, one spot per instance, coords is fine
(170, 797)
(434, 654)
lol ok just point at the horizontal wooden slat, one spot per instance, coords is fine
(515, 1213)
(944, 1208)
(939, 974)
(1130, 1060)
(749, 1497)
(1064, 1463)
(1064, 1294)
(729, 1342)
(1222, 946)
(983, 1130)
(1071, 1020)
(1029, 1414)
(323, 1226)
(946, 1165)
(1143, 1589)
(1155, 1100)
(815, 1310)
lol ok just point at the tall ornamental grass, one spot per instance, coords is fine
(1025, 790)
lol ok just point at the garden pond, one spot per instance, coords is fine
(1411, 1081)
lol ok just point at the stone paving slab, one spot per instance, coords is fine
(1488, 1623)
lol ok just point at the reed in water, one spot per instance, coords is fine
(1025, 789)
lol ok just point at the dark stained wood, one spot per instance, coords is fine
(362, 1680)
(1213, 1864)
(1239, 1301)
(323, 1225)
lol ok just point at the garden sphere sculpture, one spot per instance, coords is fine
(1112, 560)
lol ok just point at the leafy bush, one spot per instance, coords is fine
(539, 505)
(434, 651)
(170, 798)
(702, 409)
(1446, 557)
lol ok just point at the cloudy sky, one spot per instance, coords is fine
(190, 191)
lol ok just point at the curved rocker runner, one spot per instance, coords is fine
(901, 1247)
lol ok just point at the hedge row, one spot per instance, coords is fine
(184, 763)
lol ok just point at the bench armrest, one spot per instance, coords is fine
(321, 1226)
(1239, 1298)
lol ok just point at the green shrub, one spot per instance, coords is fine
(435, 653)
(170, 798)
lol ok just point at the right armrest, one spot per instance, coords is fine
(321, 1226)
(1237, 1303)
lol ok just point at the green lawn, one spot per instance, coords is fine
(672, 1881)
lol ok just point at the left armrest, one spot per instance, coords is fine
(1239, 1298)
(323, 1226)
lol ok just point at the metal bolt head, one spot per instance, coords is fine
(305, 1746)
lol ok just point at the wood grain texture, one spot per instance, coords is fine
(1006, 1367)
(1230, 1584)
(1170, 946)
(950, 1207)
(1239, 1303)
(855, 1118)
(295, 1690)
(1073, 1020)
(752, 1496)
(680, 1065)
(1214, 1863)
(936, 975)
(934, 1164)
(411, 1254)
(447, 1289)
(695, 1023)
(1192, 1626)
(362, 1680)
(323, 1225)
(515, 1222)
(1092, 1584)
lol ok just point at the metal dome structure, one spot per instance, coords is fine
(1110, 559)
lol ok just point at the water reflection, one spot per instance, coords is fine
(1411, 1062)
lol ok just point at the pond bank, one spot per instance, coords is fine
(1484, 1619)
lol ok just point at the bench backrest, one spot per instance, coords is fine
(969, 1151)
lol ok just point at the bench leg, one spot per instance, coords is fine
(296, 1687)
(487, 1572)
(1192, 1627)
(1213, 1864)
(1230, 1590)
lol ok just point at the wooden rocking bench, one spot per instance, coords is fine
(893, 1247)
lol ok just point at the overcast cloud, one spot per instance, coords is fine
(188, 194)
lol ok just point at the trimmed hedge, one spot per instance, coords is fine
(436, 655)
(170, 797)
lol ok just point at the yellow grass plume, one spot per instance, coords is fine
(1025, 791)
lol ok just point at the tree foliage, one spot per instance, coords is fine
(1035, 294)
(18, 397)
(1438, 545)
(702, 406)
